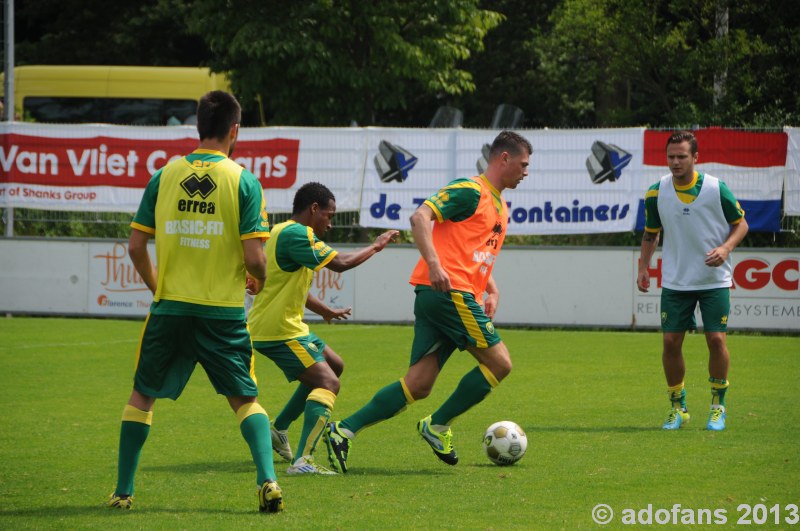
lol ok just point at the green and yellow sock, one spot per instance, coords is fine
(316, 416)
(132, 436)
(293, 408)
(677, 396)
(386, 403)
(718, 389)
(254, 425)
(472, 388)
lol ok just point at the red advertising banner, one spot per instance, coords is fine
(129, 163)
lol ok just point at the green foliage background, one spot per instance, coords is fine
(565, 63)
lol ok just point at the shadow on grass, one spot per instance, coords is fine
(592, 429)
(200, 467)
(501, 469)
(236, 467)
(102, 511)
(373, 471)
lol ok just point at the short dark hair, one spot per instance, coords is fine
(511, 142)
(679, 137)
(217, 112)
(311, 193)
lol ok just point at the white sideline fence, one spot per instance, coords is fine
(539, 287)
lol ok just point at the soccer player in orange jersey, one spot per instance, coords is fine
(459, 232)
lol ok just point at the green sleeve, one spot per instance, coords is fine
(253, 218)
(298, 246)
(730, 206)
(146, 214)
(652, 220)
(457, 201)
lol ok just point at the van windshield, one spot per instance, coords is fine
(120, 111)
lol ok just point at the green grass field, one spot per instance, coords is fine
(591, 404)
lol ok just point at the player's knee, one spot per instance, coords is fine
(320, 375)
(421, 394)
(672, 345)
(497, 361)
(420, 391)
(331, 384)
(716, 343)
(337, 366)
(335, 362)
(502, 368)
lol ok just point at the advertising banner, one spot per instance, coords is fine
(114, 286)
(337, 290)
(791, 189)
(578, 180)
(331, 156)
(105, 168)
(765, 293)
(752, 164)
(539, 286)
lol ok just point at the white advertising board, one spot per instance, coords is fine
(337, 290)
(115, 288)
(538, 287)
(41, 276)
(765, 294)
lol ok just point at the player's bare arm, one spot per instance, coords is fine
(326, 312)
(255, 262)
(648, 249)
(492, 298)
(344, 261)
(140, 256)
(716, 257)
(421, 228)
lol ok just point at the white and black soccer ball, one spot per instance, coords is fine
(505, 443)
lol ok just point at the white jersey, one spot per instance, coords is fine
(691, 231)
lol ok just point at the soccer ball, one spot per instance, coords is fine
(505, 443)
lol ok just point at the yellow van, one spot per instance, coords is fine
(132, 95)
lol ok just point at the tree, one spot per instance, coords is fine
(325, 62)
(627, 62)
(508, 70)
(98, 32)
(762, 89)
(566, 63)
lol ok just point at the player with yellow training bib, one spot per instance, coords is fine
(294, 252)
(207, 213)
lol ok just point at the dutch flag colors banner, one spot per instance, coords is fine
(752, 164)
(791, 199)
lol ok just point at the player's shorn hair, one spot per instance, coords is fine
(311, 193)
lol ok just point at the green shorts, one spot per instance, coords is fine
(677, 309)
(172, 345)
(293, 356)
(446, 321)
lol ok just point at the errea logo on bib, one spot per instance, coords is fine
(194, 185)
(202, 186)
